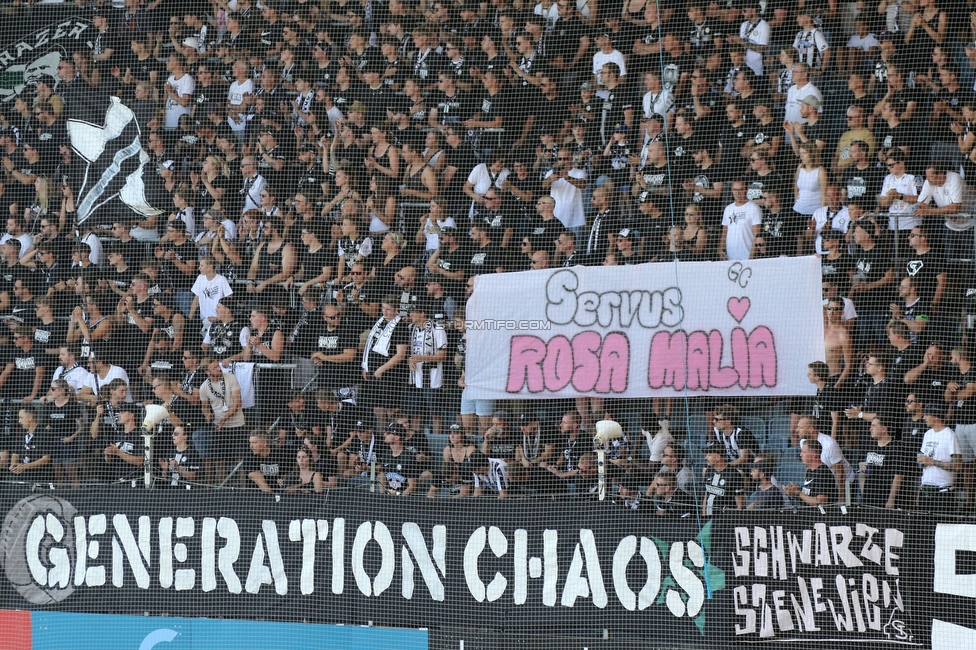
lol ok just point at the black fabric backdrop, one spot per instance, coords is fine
(840, 578)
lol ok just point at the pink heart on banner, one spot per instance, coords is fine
(739, 307)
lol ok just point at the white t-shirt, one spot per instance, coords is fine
(864, 44)
(839, 221)
(757, 34)
(600, 58)
(660, 104)
(942, 446)
(904, 185)
(76, 378)
(793, 98)
(831, 454)
(183, 87)
(949, 193)
(569, 199)
(95, 382)
(209, 292)
(25, 242)
(235, 95)
(740, 220)
(481, 180)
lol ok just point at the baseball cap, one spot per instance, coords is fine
(645, 197)
(192, 41)
(810, 100)
(358, 107)
(586, 85)
(622, 128)
(626, 233)
(710, 447)
(455, 428)
(934, 408)
(360, 425)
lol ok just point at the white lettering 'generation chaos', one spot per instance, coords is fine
(111, 549)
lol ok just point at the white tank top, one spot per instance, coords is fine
(808, 200)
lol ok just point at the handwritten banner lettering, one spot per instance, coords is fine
(650, 330)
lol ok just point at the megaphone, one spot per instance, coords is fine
(154, 415)
(607, 430)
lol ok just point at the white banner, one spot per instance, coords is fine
(651, 330)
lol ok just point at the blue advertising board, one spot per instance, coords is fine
(69, 631)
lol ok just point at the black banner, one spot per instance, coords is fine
(843, 578)
(354, 557)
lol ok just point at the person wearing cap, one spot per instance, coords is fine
(818, 487)
(767, 496)
(813, 129)
(741, 224)
(723, 485)
(400, 471)
(627, 244)
(619, 101)
(941, 459)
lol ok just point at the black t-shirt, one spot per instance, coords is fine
(130, 443)
(188, 460)
(863, 183)
(884, 463)
(504, 447)
(62, 420)
(51, 335)
(485, 259)
(611, 110)
(820, 481)
(965, 410)
(925, 269)
(904, 360)
(871, 266)
(564, 39)
(453, 109)
(721, 489)
(931, 385)
(272, 467)
(344, 337)
(33, 447)
(398, 469)
(20, 383)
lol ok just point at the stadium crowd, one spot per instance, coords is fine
(332, 176)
